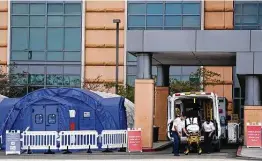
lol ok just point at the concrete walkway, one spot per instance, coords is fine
(250, 153)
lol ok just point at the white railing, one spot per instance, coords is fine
(1, 140)
(39, 140)
(86, 139)
(114, 138)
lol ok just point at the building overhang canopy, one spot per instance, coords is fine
(194, 47)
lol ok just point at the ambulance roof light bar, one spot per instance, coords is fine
(189, 93)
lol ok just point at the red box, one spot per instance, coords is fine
(254, 136)
(134, 141)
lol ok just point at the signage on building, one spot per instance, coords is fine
(253, 136)
(13, 145)
(134, 140)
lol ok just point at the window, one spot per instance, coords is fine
(46, 33)
(46, 27)
(168, 15)
(248, 15)
(181, 73)
(51, 119)
(39, 119)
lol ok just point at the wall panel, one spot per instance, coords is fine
(100, 39)
(98, 56)
(103, 37)
(3, 33)
(219, 16)
(107, 73)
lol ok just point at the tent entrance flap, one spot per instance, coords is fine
(45, 117)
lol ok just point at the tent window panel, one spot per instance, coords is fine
(51, 118)
(39, 119)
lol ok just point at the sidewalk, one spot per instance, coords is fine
(250, 153)
(158, 146)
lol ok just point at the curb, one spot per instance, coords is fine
(240, 156)
(239, 150)
(163, 147)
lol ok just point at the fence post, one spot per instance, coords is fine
(122, 149)
(49, 151)
(89, 150)
(67, 151)
(1, 142)
(29, 150)
(107, 150)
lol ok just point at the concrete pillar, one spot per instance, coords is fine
(144, 98)
(252, 91)
(161, 94)
(162, 76)
(144, 66)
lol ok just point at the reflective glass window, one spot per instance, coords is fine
(164, 15)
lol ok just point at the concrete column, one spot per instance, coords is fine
(144, 98)
(162, 76)
(161, 94)
(252, 91)
(144, 66)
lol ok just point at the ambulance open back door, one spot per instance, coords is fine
(170, 115)
(180, 97)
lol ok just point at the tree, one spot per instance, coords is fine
(11, 85)
(98, 84)
(195, 83)
(125, 91)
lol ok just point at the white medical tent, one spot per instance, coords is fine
(130, 106)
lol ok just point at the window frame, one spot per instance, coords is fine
(36, 120)
(163, 26)
(40, 56)
(238, 5)
(46, 28)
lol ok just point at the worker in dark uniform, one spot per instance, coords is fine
(178, 126)
(209, 130)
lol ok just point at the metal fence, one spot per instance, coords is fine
(114, 138)
(70, 140)
(78, 139)
(39, 140)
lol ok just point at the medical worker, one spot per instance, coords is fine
(178, 126)
(209, 130)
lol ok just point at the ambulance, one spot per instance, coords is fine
(204, 105)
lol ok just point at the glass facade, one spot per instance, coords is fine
(46, 42)
(132, 68)
(164, 15)
(181, 73)
(248, 15)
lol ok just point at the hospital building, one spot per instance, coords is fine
(66, 43)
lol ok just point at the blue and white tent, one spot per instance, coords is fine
(57, 109)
